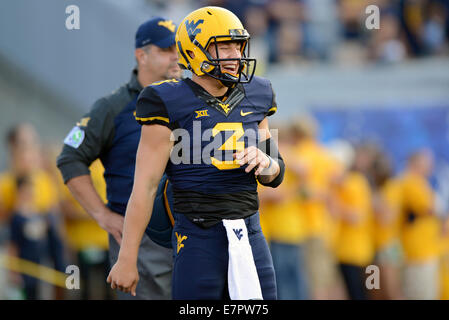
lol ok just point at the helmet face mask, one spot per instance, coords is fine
(246, 66)
(213, 25)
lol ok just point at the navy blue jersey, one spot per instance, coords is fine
(209, 130)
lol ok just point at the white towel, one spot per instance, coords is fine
(243, 281)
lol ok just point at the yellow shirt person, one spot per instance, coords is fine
(320, 167)
(421, 229)
(420, 232)
(45, 195)
(354, 243)
(387, 228)
(282, 220)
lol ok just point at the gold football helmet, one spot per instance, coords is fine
(210, 25)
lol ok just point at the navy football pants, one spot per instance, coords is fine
(201, 260)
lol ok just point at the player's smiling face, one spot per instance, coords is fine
(227, 50)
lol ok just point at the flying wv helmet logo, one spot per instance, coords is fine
(238, 233)
(192, 28)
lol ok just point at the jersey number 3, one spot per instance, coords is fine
(231, 143)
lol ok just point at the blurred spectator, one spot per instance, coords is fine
(282, 212)
(25, 160)
(354, 244)
(365, 155)
(351, 14)
(350, 50)
(315, 169)
(286, 10)
(387, 213)
(34, 236)
(289, 43)
(412, 19)
(386, 44)
(285, 19)
(434, 30)
(256, 22)
(420, 230)
(320, 28)
(29, 198)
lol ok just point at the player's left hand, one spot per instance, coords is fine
(254, 157)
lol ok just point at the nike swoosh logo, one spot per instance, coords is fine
(245, 113)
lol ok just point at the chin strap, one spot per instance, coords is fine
(227, 79)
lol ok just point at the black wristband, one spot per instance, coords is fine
(271, 149)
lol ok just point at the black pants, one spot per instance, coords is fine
(87, 271)
(354, 277)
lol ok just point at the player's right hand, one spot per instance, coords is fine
(124, 276)
(112, 223)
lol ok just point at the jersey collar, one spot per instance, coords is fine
(234, 97)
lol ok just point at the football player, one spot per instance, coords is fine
(224, 150)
